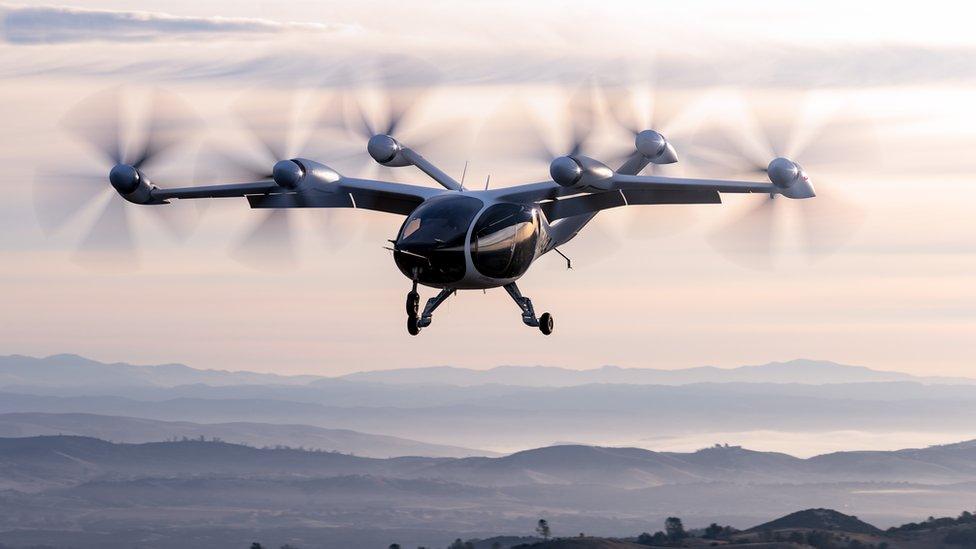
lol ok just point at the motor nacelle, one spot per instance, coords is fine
(387, 151)
(581, 172)
(288, 173)
(655, 147)
(789, 178)
(131, 184)
(302, 172)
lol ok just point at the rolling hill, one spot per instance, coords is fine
(818, 519)
(134, 430)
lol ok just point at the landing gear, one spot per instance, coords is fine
(413, 301)
(544, 323)
(415, 324)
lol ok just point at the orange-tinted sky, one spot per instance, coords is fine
(898, 295)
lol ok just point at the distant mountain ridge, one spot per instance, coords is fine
(793, 371)
(66, 370)
(139, 430)
(62, 460)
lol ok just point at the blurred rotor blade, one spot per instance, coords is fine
(512, 133)
(747, 240)
(270, 244)
(97, 121)
(404, 95)
(218, 165)
(59, 196)
(840, 140)
(269, 122)
(720, 151)
(109, 243)
(580, 111)
(770, 123)
(170, 122)
(366, 129)
(827, 222)
(644, 107)
(179, 220)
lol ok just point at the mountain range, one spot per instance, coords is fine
(41, 461)
(490, 416)
(135, 430)
(80, 491)
(67, 370)
(794, 371)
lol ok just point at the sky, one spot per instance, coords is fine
(879, 95)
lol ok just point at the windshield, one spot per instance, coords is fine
(432, 238)
(503, 243)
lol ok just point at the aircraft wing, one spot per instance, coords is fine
(346, 192)
(559, 202)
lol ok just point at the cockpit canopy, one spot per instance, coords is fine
(430, 246)
(504, 240)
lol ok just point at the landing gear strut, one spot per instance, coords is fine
(544, 323)
(415, 324)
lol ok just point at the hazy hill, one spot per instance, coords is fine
(83, 492)
(129, 429)
(581, 543)
(73, 371)
(588, 414)
(38, 462)
(76, 371)
(794, 371)
(60, 459)
(818, 519)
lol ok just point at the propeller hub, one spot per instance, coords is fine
(383, 148)
(783, 172)
(565, 171)
(124, 178)
(288, 173)
(650, 143)
(655, 147)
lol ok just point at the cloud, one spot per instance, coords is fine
(60, 24)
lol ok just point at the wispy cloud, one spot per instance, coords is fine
(61, 24)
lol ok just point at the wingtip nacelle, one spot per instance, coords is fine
(656, 148)
(131, 184)
(790, 179)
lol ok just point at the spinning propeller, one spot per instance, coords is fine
(281, 130)
(768, 129)
(60, 195)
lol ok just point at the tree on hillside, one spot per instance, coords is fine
(543, 529)
(458, 544)
(659, 538)
(394, 546)
(674, 529)
(256, 545)
(714, 531)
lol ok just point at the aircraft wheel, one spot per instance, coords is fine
(546, 324)
(413, 303)
(412, 327)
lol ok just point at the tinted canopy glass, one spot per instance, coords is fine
(432, 239)
(503, 243)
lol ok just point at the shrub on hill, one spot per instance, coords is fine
(931, 523)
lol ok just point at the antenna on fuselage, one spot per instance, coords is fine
(487, 181)
(464, 172)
